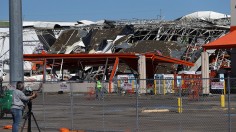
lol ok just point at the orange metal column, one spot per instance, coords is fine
(113, 73)
(44, 70)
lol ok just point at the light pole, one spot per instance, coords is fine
(16, 41)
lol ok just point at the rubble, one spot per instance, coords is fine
(181, 38)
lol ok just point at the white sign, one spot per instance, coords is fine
(169, 78)
(217, 85)
(126, 81)
(158, 76)
(64, 86)
(178, 81)
(221, 76)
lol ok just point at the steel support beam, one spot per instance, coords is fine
(16, 41)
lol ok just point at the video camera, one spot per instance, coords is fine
(28, 91)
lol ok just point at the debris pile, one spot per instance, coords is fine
(181, 38)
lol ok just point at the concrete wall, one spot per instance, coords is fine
(68, 86)
(205, 73)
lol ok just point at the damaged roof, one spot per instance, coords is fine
(66, 39)
(98, 35)
(165, 48)
(171, 49)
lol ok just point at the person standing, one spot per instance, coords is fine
(98, 88)
(18, 99)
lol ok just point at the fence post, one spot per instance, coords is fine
(164, 87)
(44, 111)
(224, 87)
(173, 86)
(71, 107)
(137, 116)
(228, 87)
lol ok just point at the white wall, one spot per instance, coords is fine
(75, 87)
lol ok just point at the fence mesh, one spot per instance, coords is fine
(167, 105)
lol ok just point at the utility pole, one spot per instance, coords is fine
(16, 41)
(159, 17)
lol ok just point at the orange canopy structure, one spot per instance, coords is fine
(76, 61)
(225, 42)
(72, 60)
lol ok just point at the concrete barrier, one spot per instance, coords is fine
(71, 86)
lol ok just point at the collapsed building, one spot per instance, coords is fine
(181, 38)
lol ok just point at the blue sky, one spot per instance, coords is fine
(74, 10)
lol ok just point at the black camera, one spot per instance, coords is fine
(28, 91)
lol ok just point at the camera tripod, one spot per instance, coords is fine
(28, 117)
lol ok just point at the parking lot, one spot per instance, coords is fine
(129, 113)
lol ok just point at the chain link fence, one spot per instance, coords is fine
(167, 105)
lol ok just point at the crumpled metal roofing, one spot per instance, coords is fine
(67, 38)
(92, 38)
(165, 48)
(98, 36)
(171, 49)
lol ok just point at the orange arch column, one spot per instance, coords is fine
(113, 73)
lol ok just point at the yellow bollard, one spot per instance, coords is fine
(180, 110)
(132, 86)
(164, 87)
(173, 86)
(222, 101)
(118, 86)
(118, 83)
(155, 87)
